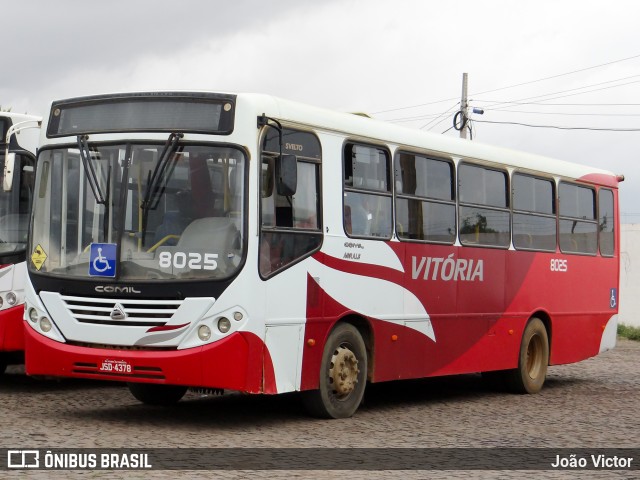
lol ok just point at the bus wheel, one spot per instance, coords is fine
(532, 361)
(343, 375)
(153, 394)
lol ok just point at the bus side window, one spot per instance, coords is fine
(367, 192)
(578, 224)
(534, 213)
(290, 225)
(606, 222)
(484, 209)
(425, 199)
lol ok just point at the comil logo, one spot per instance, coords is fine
(118, 312)
(23, 459)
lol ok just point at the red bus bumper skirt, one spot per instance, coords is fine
(239, 362)
(12, 329)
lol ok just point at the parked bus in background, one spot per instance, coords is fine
(17, 162)
(248, 243)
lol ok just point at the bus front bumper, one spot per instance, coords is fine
(234, 363)
(12, 329)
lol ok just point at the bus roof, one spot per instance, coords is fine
(356, 125)
(359, 127)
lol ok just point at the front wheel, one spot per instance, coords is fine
(154, 394)
(343, 375)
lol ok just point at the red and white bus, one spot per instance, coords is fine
(17, 163)
(248, 243)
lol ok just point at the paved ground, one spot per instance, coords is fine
(593, 404)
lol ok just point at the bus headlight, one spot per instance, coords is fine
(33, 315)
(204, 333)
(237, 316)
(45, 324)
(224, 325)
(12, 298)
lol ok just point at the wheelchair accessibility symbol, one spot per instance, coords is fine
(102, 261)
(613, 298)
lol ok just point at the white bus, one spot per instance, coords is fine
(17, 162)
(248, 243)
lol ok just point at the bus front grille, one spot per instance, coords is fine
(122, 312)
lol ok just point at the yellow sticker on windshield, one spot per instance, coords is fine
(38, 257)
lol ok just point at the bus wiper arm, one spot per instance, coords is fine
(153, 185)
(153, 192)
(85, 155)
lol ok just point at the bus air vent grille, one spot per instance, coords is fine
(121, 311)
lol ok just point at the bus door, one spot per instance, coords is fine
(290, 224)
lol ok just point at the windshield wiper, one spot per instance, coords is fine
(156, 180)
(85, 155)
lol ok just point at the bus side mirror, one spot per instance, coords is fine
(286, 175)
(7, 179)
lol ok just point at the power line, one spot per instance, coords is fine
(566, 113)
(444, 116)
(510, 86)
(413, 106)
(559, 75)
(595, 129)
(569, 104)
(573, 90)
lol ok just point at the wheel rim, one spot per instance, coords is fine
(343, 372)
(534, 356)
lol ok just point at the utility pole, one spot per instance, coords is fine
(464, 104)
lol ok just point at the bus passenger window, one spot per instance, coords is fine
(484, 210)
(534, 213)
(425, 203)
(578, 224)
(606, 222)
(367, 192)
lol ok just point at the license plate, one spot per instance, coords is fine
(115, 366)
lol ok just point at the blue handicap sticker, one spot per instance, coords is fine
(102, 261)
(613, 298)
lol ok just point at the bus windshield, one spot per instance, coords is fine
(139, 212)
(14, 206)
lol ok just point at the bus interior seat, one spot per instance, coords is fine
(216, 234)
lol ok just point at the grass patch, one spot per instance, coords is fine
(632, 333)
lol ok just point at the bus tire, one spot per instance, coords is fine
(532, 360)
(343, 375)
(154, 394)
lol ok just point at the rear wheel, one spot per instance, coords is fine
(343, 375)
(533, 360)
(153, 394)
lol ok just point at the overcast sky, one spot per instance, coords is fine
(375, 56)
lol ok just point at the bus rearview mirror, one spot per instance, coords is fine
(7, 178)
(286, 175)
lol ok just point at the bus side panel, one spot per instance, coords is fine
(478, 313)
(462, 289)
(316, 332)
(575, 292)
